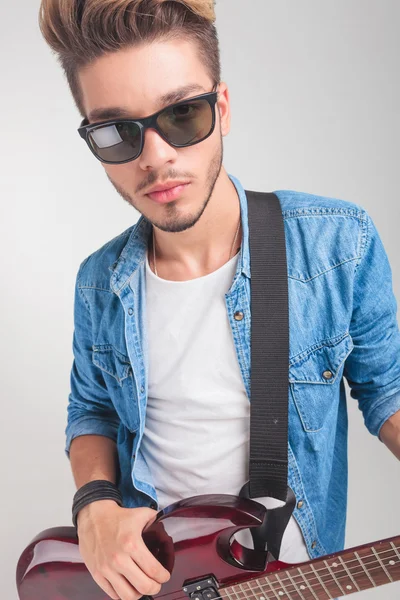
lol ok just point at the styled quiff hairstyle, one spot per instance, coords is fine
(80, 31)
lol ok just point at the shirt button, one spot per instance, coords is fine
(327, 374)
(314, 545)
(239, 316)
(142, 389)
(130, 311)
(300, 504)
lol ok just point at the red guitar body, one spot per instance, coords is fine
(194, 540)
(190, 538)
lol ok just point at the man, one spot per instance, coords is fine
(159, 404)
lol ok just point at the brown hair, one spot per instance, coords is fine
(79, 31)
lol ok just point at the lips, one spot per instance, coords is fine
(165, 186)
(167, 192)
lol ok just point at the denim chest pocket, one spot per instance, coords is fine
(112, 362)
(314, 379)
(118, 377)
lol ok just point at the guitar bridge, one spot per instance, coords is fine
(205, 589)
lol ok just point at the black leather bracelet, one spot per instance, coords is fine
(96, 486)
(92, 492)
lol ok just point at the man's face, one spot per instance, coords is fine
(134, 80)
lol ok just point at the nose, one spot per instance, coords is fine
(156, 151)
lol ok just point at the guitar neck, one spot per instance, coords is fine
(325, 578)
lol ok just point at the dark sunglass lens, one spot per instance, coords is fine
(116, 143)
(187, 123)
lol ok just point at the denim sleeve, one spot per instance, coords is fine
(372, 369)
(90, 410)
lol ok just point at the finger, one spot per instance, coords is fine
(148, 563)
(106, 587)
(137, 578)
(124, 588)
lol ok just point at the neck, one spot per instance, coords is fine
(325, 578)
(208, 244)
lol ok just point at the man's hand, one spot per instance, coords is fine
(112, 547)
(390, 434)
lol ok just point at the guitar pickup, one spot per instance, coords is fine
(206, 589)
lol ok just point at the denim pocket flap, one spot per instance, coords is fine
(109, 360)
(321, 363)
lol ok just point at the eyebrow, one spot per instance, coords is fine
(117, 112)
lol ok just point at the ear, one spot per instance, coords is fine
(223, 105)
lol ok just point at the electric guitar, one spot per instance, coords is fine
(194, 540)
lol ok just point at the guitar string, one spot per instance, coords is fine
(308, 580)
(296, 585)
(276, 587)
(332, 578)
(292, 585)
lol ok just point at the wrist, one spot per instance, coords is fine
(93, 510)
(96, 492)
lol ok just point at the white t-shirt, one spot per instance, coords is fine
(196, 438)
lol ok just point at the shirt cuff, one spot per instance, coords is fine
(90, 426)
(382, 411)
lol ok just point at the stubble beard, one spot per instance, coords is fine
(174, 223)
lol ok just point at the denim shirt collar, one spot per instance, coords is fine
(133, 254)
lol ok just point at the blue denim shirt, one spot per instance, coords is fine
(342, 315)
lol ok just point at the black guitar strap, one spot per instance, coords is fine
(268, 468)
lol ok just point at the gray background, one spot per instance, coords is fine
(315, 100)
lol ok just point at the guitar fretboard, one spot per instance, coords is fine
(325, 578)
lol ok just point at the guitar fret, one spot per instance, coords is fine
(283, 587)
(395, 550)
(294, 584)
(349, 574)
(228, 594)
(272, 589)
(334, 578)
(254, 591)
(242, 590)
(236, 597)
(308, 585)
(365, 570)
(381, 563)
(236, 594)
(321, 582)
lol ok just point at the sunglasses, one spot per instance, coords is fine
(182, 124)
